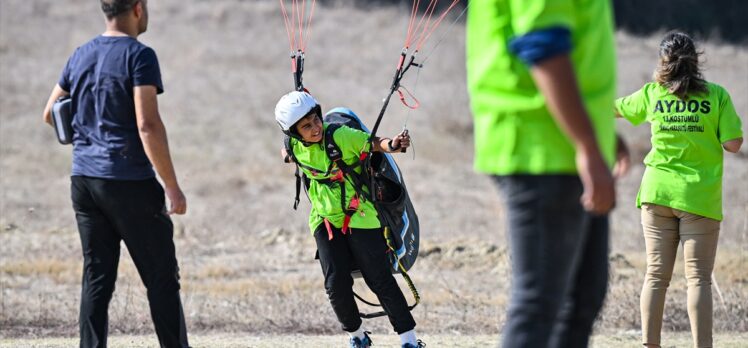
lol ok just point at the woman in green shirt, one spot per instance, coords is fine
(680, 197)
(351, 237)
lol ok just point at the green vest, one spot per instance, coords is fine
(326, 197)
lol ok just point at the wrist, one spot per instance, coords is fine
(171, 184)
(391, 148)
(587, 145)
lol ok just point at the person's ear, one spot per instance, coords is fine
(137, 9)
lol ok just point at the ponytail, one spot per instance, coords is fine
(678, 69)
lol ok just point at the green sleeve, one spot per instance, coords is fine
(352, 142)
(730, 126)
(633, 107)
(531, 15)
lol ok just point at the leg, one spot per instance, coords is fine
(335, 259)
(100, 245)
(588, 289)
(546, 222)
(699, 236)
(138, 211)
(661, 241)
(370, 251)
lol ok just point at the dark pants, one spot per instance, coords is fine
(110, 211)
(559, 262)
(368, 250)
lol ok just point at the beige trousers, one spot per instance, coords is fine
(664, 228)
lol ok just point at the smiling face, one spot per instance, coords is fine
(310, 128)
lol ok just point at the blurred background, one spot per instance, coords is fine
(246, 257)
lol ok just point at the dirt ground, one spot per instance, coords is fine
(246, 257)
(616, 340)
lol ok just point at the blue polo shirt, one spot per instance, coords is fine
(100, 77)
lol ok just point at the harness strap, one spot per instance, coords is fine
(345, 173)
(329, 229)
(298, 188)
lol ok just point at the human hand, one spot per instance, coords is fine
(599, 191)
(623, 158)
(400, 142)
(177, 200)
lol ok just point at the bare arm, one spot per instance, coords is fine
(733, 145)
(153, 134)
(555, 79)
(623, 158)
(57, 92)
(399, 143)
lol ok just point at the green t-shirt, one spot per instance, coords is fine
(684, 167)
(326, 198)
(514, 131)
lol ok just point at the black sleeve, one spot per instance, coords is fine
(146, 71)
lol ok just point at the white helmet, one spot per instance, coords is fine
(292, 107)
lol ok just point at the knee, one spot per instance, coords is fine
(699, 279)
(657, 279)
(590, 306)
(338, 284)
(535, 307)
(98, 283)
(94, 293)
(381, 281)
(165, 281)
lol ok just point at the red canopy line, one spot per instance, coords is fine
(417, 33)
(297, 30)
(298, 35)
(413, 13)
(436, 24)
(421, 29)
(425, 20)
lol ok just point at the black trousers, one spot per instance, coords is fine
(110, 211)
(559, 262)
(367, 249)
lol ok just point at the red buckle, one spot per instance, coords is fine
(352, 208)
(329, 229)
(338, 177)
(346, 222)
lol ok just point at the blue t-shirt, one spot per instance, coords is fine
(100, 77)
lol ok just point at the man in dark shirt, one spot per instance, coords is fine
(113, 81)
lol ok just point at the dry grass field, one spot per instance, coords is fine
(628, 339)
(246, 257)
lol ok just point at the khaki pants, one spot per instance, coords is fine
(664, 228)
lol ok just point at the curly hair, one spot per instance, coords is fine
(114, 8)
(678, 69)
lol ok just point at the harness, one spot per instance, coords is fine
(344, 173)
(298, 25)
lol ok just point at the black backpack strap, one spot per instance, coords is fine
(331, 147)
(336, 156)
(346, 173)
(299, 175)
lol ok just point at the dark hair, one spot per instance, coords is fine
(114, 8)
(678, 69)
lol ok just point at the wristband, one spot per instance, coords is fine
(390, 148)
